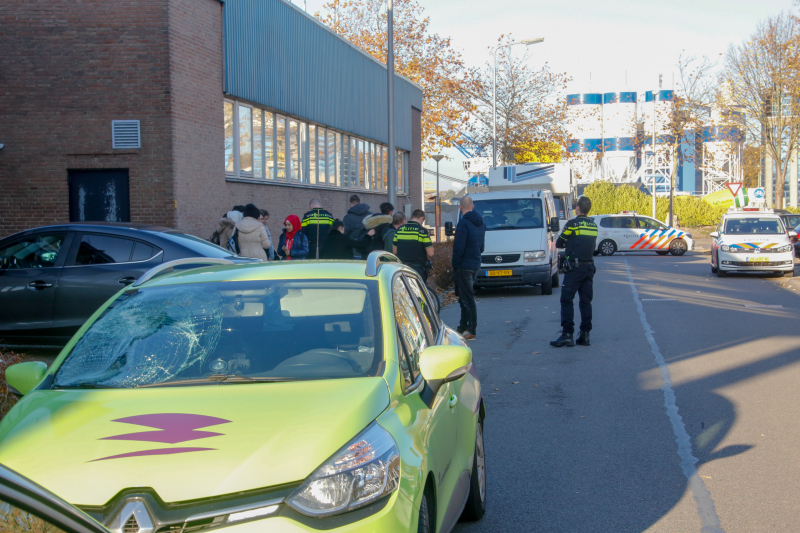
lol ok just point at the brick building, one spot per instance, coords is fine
(172, 111)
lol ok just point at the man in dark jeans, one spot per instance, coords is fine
(467, 250)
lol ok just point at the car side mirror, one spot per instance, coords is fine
(25, 376)
(792, 234)
(448, 229)
(443, 364)
(714, 234)
(555, 226)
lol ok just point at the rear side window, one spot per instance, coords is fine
(102, 249)
(607, 222)
(143, 252)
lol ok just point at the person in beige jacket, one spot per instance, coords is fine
(251, 235)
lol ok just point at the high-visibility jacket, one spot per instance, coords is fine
(579, 238)
(412, 241)
(315, 226)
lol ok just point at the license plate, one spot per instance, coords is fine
(757, 259)
(491, 273)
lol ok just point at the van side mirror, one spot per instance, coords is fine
(448, 229)
(555, 226)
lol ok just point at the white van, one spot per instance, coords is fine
(521, 231)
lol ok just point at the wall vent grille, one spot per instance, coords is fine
(125, 134)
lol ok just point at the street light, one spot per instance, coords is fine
(438, 216)
(526, 42)
(391, 181)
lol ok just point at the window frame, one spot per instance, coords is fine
(402, 344)
(72, 254)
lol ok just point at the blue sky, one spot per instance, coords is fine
(602, 40)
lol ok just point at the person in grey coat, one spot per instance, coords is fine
(354, 221)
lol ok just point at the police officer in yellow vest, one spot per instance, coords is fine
(412, 244)
(579, 239)
(316, 225)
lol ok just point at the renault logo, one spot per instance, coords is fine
(133, 518)
(498, 259)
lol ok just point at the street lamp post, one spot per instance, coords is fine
(438, 216)
(392, 174)
(526, 42)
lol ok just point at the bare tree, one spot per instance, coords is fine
(531, 107)
(761, 77)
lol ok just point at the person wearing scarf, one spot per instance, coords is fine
(293, 243)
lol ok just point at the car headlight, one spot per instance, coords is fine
(725, 248)
(784, 248)
(688, 235)
(365, 470)
(530, 257)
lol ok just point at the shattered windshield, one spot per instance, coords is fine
(230, 331)
(507, 213)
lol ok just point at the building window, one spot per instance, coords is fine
(260, 144)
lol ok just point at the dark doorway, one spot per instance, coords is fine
(99, 195)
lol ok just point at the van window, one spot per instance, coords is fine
(561, 208)
(511, 213)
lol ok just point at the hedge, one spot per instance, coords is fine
(690, 211)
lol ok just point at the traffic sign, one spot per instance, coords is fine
(734, 188)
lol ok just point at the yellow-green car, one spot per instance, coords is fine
(293, 396)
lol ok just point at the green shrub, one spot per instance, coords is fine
(690, 211)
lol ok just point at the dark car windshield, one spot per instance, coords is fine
(753, 226)
(199, 246)
(506, 213)
(268, 330)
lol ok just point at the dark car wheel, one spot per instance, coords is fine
(424, 523)
(721, 273)
(789, 274)
(476, 501)
(662, 252)
(678, 247)
(607, 247)
(547, 287)
(713, 269)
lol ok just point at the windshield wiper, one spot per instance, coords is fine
(83, 386)
(216, 378)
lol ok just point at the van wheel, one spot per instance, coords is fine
(555, 279)
(789, 274)
(678, 247)
(547, 287)
(607, 247)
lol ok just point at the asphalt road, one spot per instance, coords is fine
(692, 429)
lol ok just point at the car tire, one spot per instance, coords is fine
(607, 247)
(424, 522)
(789, 274)
(662, 252)
(595, 253)
(721, 273)
(713, 269)
(678, 247)
(475, 507)
(547, 287)
(555, 280)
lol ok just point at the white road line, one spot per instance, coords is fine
(705, 503)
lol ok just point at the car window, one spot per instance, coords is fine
(421, 296)
(13, 519)
(35, 251)
(287, 330)
(649, 223)
(753, 226)
(103, 249)
(792, 221)
(607, 222)
(412, 334)
(199, 246)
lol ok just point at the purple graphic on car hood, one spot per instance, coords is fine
(173, 428)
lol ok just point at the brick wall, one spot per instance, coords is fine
(67, 69)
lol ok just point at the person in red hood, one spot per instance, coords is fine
(293, 243)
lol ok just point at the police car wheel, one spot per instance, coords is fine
(721, 273)
(713, 269)
(607, 247)
(677, 247)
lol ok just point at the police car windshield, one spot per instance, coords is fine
(753, 226)
(503, 214)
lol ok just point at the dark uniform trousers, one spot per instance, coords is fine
(580, 280)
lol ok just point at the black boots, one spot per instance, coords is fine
(564, 340)
(583, 339)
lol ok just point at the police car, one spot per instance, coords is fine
(629, 231)
(752, 239)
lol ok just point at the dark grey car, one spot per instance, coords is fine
(53, 278)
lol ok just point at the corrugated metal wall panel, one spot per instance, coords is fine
(277, 56)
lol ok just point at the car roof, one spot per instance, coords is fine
(300, 270)
(129, 228)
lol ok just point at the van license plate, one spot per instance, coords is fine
(491, 273)
(757, 259)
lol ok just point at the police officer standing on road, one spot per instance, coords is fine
(316, 225)
(580, 240)
(412, 244)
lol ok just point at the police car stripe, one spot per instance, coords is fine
(666, 240)
(656, 240)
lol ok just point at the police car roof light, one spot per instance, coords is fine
(628, 213)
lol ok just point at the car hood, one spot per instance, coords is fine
(513, 240)
(184, 442)
(755, 241)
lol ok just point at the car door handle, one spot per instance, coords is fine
(39, 285)
(453, 401)
(127, 281)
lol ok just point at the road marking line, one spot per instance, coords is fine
(702, 497)
(763, 306)
(659, 299)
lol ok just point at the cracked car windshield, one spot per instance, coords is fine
(230, 331)
(502, 214)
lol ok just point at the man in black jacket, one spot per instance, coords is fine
(337, 246)
(467, 250)
(316, 224)
(354, 221)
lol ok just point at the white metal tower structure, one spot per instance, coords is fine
(618, 163)
(585, 116)
(657, 150)
(722, 146)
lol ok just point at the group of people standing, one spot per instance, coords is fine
(318, 235)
